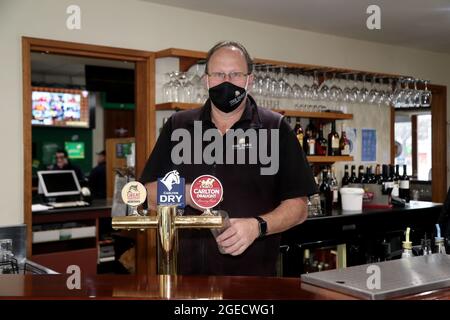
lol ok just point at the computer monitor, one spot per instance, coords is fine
(54, 183)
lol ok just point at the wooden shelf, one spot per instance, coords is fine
(289, 113)
(193, 54)
(329, 159)
(316, 115)
(180, 53)
(175, 106)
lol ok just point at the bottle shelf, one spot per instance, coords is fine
(175, 106)
(316, 115)
(329, 159)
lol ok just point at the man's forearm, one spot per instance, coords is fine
(288, 214)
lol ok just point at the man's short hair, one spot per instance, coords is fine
(63, 151)
(230, 44)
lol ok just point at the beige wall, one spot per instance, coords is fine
(140, 25)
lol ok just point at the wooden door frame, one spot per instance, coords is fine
(439, 141)
(144, 123)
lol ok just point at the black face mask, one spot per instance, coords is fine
(227, 96)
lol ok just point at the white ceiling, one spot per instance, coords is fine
(423, 24)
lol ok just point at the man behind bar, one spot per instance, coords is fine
(260, 206)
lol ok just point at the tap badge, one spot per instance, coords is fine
(134, 193)
(171, 189)
(206, 191)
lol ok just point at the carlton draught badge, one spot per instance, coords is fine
(206, 192)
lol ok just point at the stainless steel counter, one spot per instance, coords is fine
(396, 278)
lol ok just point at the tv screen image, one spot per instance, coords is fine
(61, 108)
(75, 150)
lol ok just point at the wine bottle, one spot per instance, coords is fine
(299, 131)
(346, 177)
(404, 185)
(344, 144)
(333, 141)
(310, 132)
(360, 178)
(321, 143)
(334, 190)
(353, 178)
(325, 193)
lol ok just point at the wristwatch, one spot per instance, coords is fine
(262, 226)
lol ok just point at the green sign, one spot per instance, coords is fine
(75, 150)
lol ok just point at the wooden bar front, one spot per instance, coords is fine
(44, 287)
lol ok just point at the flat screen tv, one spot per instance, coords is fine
(59, 108)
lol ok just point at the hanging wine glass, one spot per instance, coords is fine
(389, 93)
(354, 92)
(398, 93)
(324, 90)
(426, 95)
(314, 89)
(373, 93)
(416, 98)
(363, 92)
(346, 92)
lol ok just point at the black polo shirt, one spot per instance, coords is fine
(246, 193)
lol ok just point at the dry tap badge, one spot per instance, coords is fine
(171, 190)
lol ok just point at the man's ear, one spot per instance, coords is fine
(205, 81)
(251, 78)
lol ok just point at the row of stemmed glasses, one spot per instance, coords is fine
(407, 94)
(299, 89)
(184, 87)
(276, 87)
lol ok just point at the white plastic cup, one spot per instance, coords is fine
(226, 225)
(352, 199)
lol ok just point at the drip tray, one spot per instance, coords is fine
(397, 277)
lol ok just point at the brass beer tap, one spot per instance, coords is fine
(166, 221)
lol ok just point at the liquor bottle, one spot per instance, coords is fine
(310, 132)
(439, 241)
(397, 175)
(333, 141)
(299, 131)
(353, 178)
(407, 246)
(321, 143)
(385, 183)
(344, 144)
(334, 190)
(378, 177)
(325, 193)
(404, 185)
(346, 177)
(360, 178)
(370, 176)
(367, 177)
(311, 146)
(391, 181)
(307, 268)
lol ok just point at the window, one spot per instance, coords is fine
(424, 147)
(419, 169)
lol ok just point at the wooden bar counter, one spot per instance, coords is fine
(101, 287)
